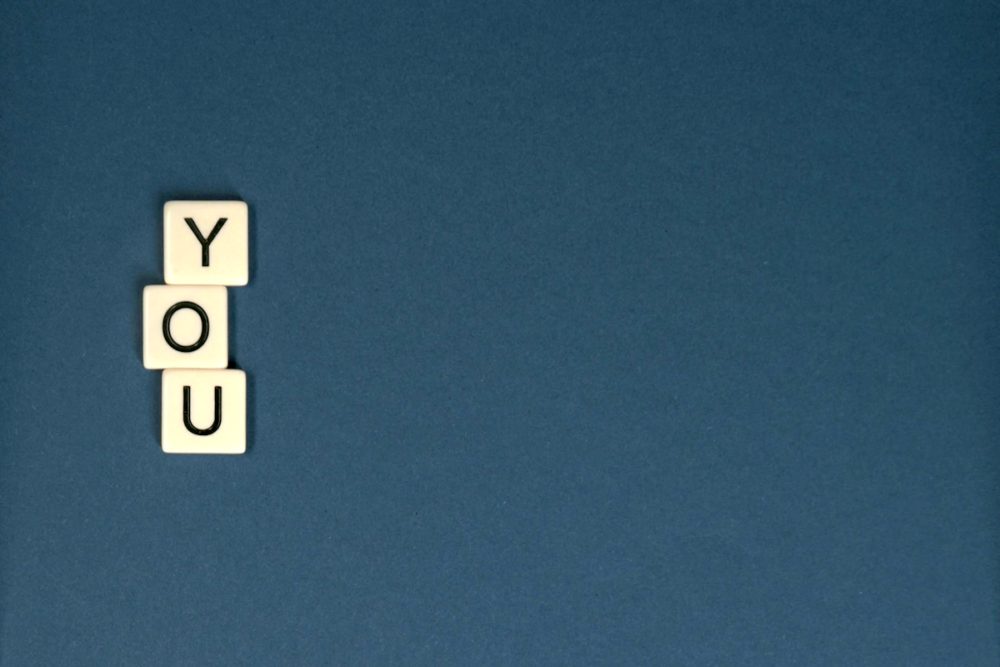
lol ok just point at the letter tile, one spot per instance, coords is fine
(185, 327)
(204, 411)
(205, 243)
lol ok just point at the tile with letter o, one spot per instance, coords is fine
(206, 243)
(185, 326)
(204, 411)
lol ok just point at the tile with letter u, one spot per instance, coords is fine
(203, 411)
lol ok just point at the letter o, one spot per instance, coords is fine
(204, 326)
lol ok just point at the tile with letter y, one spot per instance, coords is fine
(206, 243)
(185, 326)
(204, 411)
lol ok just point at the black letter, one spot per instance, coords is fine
(218, 413)
(202, 240)
(204, 326)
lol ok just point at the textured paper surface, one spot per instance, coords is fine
(638, 334)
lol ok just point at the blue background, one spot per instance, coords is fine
(577, 333)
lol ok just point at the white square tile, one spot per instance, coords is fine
(204, 411)
(206, 243)
(185, 326)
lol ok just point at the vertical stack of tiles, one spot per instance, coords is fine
(185, 328)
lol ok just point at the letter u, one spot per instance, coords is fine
(218, 413)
